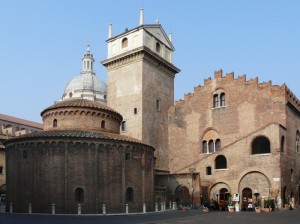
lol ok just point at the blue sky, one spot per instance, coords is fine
(42, 43)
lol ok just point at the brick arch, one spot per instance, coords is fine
(207, 130)
(215, 189)
(256, 181)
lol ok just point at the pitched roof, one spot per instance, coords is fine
(20, 121)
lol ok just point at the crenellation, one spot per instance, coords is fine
(229, 76)
(188, 96)
(252, 82)
(241, 79)
(218, 74)
(207, 81)
(265, 85)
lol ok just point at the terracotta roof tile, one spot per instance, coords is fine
(76, 134)
(21, 121)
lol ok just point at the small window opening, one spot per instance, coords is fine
(124, 42)
(54, 123)
(282, 144)
(157, 104)
(129, 194)
(70, 95)
(103, 124)
(79, 195)
(104, 97)
(218, 144)
(222, 96)
(135, 110)
(216, 100)
(1, 169)
(158, 48)
(123, 126)
(208, 170)
(204, 147)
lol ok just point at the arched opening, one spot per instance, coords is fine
(211, 146)
(220, 162)
(223, 198)
(129, 194)
(222, 96)
(246, 197)
(261, 145)
(124, 42)
(54, 123)
(103, 124)
(218, 144)
(182, 195)
(216, 100)
(79, 195)
(204, 146)
(158, 48)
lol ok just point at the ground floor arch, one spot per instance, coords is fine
(220, 193)
(182, 195)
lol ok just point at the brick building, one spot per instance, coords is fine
(232, 135)
(9, 128)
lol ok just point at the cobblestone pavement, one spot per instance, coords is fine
(168, 217)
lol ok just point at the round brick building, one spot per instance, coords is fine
(79, 159)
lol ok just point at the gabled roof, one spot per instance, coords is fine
(155, 30)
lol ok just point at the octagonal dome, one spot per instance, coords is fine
(86, 85)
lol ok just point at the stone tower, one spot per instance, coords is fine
(140, 83)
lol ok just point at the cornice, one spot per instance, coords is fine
(141, 53)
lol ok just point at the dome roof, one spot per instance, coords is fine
(85, 82)
(86, 85)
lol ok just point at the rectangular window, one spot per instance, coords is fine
(135, 110)
(1, 169)
(157, 104)
(123, 126)
(208, 170)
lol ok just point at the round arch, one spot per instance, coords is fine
(182, 194)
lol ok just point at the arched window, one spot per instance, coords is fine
(216, 100)
(204, 146)
(297, 140)
(70, 94)
(222, 97)
(54, 123)
(210, 146)
(208, 170)
(158, 48)
(282, 144)
(218, 144)
(79, 195)
(261, 145)
(124, 42)
(129, 194)
(220, 162)
(103, 124)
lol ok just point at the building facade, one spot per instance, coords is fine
(11, 127)
(231, 136)
(240, 136)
